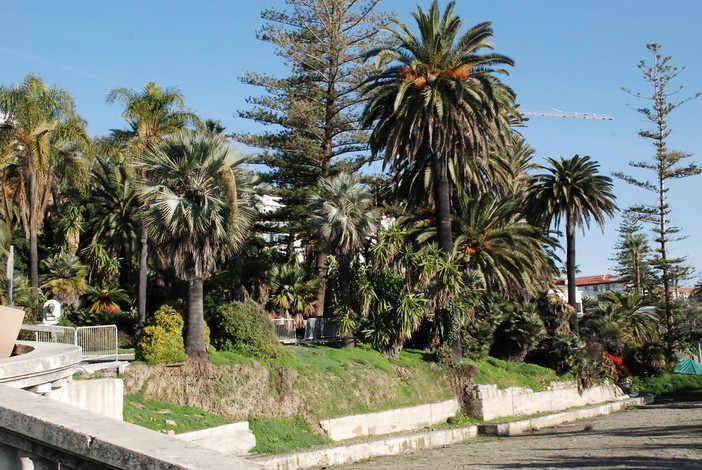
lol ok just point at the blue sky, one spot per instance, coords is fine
(571, 56)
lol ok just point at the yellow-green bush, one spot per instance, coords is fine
(245, 327)
(161, 340)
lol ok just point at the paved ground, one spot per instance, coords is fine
(659, 436)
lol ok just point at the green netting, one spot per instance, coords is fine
(688, 366)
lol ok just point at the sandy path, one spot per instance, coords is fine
(659, 436)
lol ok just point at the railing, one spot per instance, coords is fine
(95, 341)
(285, 330)
(316, 330)
(320, 329)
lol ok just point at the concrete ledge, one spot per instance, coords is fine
(79, 439)
(514, 428)
(354, 452)
(235, 438)
(43, 364)
(386, 422)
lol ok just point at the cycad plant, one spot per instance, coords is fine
(65, 279)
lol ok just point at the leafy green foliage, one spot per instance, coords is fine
(670, 385)
(520, 332)
(161, 340)
(246, 327)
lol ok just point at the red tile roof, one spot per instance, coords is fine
(591, 280)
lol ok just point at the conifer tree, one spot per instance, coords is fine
(632, 252)
(314, 111)
(665, 165)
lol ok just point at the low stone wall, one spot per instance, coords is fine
(36, 432)
(514, 428)
(235, 438)
(324, 457)
(488, 401)
(386, 422)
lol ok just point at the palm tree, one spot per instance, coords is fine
(293, 292)
(192, 211)
(508, 252)
(41, 133)
(152, 113)
(442, 104)
(65, 278)
(343, 218)
(571, 190)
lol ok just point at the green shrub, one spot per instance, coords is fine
(245, 327)
(161, 340)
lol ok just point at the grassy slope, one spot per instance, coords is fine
(670, 385)
(285, 399)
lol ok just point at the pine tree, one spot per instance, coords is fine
(665, 165)
(632, 252)
(315, 110)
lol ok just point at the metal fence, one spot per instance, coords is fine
(316, 330)
(52, 334)
(320, 329)
(95, 341)
(285, 330)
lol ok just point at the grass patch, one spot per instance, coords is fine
(670, 385)
(229, 357)
(279, 435)
(506, 374)
(153, 414)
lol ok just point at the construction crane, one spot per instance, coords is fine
(566, 114)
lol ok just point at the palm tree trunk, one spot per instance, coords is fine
(347, 341)
(322, 271)
(442, 198)
(33, 229)
(143, 272)
(195, 346)
(570, 269)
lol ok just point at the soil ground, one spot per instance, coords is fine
(664, 436)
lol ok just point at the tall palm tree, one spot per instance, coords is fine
(438, 101)
(574, 191)
(192, 211)
(343, 217)
(41, 133)
(151, 113)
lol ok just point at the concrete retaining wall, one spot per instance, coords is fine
(386, 422)
(513, 428)
(364, 450)
(101, 396)
(488, 401)
(235, 438)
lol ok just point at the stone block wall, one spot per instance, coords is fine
(489, 402)
(385, 422)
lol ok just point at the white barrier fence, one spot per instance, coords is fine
(95, 341)
(316, 329)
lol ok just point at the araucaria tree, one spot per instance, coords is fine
(573, 191)
(192, 211)
(664, 165)
(315, 110)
